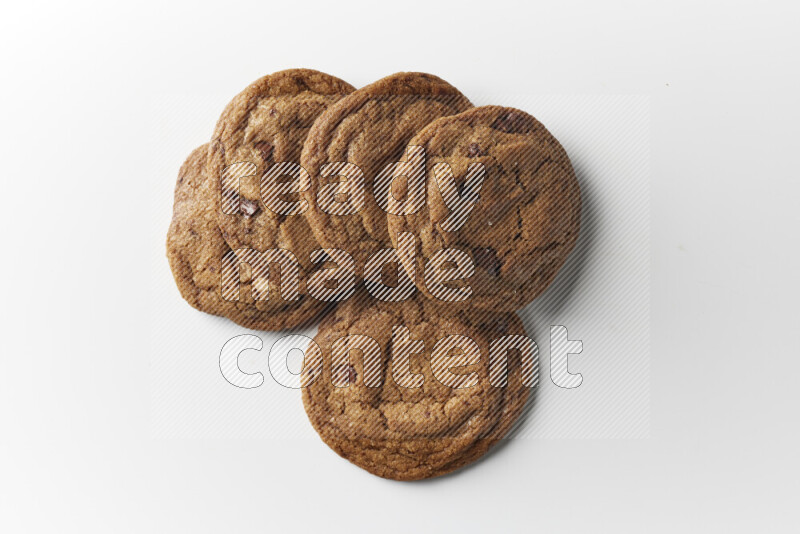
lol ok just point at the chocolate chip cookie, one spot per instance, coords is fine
(526, 219)
(368, 129)
(409, 419)
(195, 249)
(264, 125)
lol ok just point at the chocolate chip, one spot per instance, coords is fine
(474, 150)
(219, 146)
(510, 122)
(501, 325)
(486, 258)
(347, 373)
(265, 149)
(248, 207)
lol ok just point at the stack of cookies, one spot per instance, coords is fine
(331, 185)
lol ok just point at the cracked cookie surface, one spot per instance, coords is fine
(265, 124)
(526, 221)
(410, 433)
(370, 128)
(195, 248)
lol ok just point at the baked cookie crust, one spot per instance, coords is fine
(370, 128)
(411, 433)
(268, 123)
(527, 219)
(195, 248)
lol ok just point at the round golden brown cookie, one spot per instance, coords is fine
(414, 420)
(526, 221)
(370, 129)
(266, 124)
(195, 249)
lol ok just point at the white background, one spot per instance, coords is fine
(81, 85)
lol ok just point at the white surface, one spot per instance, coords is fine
(81, 83)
